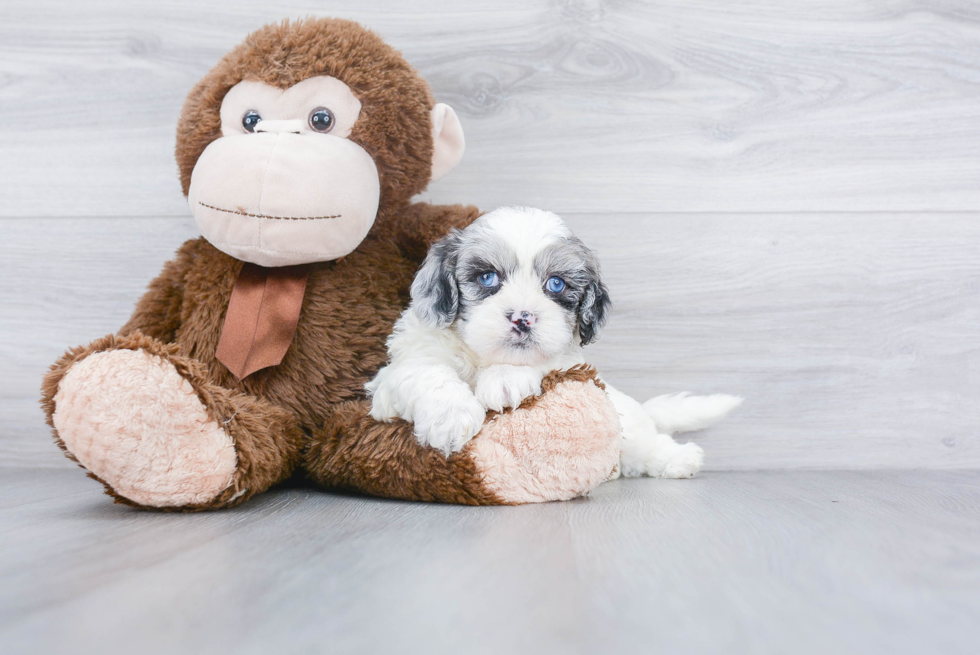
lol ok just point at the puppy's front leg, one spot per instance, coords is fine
(504, 385)
(444, 410)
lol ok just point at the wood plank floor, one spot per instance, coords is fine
(572, 105)
(746, 562)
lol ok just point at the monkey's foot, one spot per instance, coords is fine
(556, 446)
(131, 419)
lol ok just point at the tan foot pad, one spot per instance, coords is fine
(560, 446)
(131, 419)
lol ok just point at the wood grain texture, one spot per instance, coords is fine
(577, 105)
(853, 335)
(854, 338)
(756, 562)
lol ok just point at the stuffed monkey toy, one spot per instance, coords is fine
(245, 361)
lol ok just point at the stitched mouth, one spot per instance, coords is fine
(278, 218)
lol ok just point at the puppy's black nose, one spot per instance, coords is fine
(522, 321)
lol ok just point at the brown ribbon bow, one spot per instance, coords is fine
(262, 316)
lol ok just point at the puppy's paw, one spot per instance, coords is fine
(685, 463)
(447, 419)
(503, 386)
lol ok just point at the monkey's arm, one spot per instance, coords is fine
(157, 314)
(423, 224)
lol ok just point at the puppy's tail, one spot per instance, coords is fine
(682, 412)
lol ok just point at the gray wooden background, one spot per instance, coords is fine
(785, 195)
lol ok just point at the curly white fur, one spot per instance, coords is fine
(465, 346)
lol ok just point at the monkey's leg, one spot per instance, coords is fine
(148, 424)
(556, 446)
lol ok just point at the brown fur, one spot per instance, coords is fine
(348, 312)
(311, 408)
(384, 459)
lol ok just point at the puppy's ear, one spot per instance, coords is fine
(435, 294)
(596, 303)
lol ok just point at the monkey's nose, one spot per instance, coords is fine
(522, 321)
(295, 126)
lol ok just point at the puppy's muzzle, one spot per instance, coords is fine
(522, 321)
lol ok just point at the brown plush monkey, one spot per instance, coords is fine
(247, 357)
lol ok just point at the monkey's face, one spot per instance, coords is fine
(289, 146)
(284, 184)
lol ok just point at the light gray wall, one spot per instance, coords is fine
(786, 198)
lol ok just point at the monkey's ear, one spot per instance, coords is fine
(435, 294)
(448, 143)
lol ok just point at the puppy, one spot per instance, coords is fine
(494, 308)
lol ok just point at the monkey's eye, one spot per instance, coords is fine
(250, 120)
(555, 284)
(321, 120)
(487, 279)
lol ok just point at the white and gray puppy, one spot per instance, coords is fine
(497, 306)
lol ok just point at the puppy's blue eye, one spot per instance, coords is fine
(555, 284)
(488, 279)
